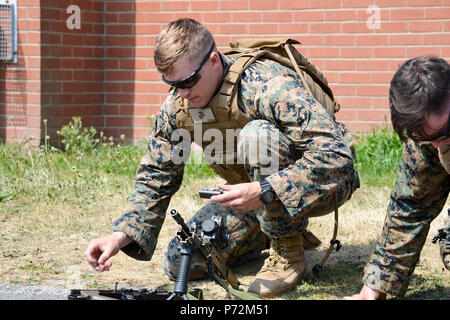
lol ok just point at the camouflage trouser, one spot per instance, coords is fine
(248, 230)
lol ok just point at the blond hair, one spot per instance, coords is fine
(180, 37)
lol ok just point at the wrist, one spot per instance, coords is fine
(121, 239)
(267, 194)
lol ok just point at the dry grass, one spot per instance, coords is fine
(45, 245)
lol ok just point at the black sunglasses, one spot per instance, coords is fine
(192, 79)
(438, 137)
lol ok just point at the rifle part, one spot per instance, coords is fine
(207, 193)
(443, 236)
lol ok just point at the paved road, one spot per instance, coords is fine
(27, 292)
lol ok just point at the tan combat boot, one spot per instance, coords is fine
(283, 269)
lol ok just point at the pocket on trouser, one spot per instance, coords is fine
(263, 149)
(276, 222)
(326, 205)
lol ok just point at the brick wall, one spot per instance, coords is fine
(105, 73)
(72, 64)
(20, 84)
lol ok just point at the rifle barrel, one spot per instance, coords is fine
(179, 219)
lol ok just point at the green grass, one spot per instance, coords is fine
(87, 157)
(90, 162)
(378, 155)
(52, 201)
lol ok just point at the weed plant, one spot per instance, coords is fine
(87, 164)
(378, 155)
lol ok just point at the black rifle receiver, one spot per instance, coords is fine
(206, 245)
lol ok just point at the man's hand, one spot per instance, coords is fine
(101, 249)
(241, 197)
(367, 294)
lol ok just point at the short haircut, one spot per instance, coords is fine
(180, 37)
(420, 86)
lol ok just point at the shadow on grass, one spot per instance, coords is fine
(342, 276)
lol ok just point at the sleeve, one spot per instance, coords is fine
(323, 162)
(158, 177)
(420, 192)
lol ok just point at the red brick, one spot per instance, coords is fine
(372, 65)
(340, 15)
(216, 17)
(233, 5)
(306, 15)
(424, 3)
(392, 52)
(169, 5)
(407, 14)
(323, 52)
(233, 28)
(382, 77)
(266, 28)
(425, 26)
(346, 114)
(355, 102)
(392, 3)
(372, 40)
(277, 16)
(371, 115)
(406, 39)
(340, 64)
(356, 3)
(324, 27)
(393, 27)
(264, 4)
(292, 28)
(246, 16)
(437, 13)
(355, 27)
(324, 4)
(422, 51)
(372, 90)
(356, 52)
(297, 4)
(354, 77)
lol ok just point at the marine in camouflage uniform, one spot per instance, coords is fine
(419, 195)
(420, 111)
(315, 162)
(314, 170)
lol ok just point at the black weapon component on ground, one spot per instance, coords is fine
(204, 241)
(443, 236)
(125, 294)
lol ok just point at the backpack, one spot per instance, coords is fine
(246, 51)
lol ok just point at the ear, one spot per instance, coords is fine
(215, 60)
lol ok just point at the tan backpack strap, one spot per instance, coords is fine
(297, 68)
(336, 106)
(334, 241)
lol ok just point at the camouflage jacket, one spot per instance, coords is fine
(269, 91)
(419, 195)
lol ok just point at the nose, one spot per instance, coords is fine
(183, 92)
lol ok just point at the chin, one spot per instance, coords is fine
(198, 104)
